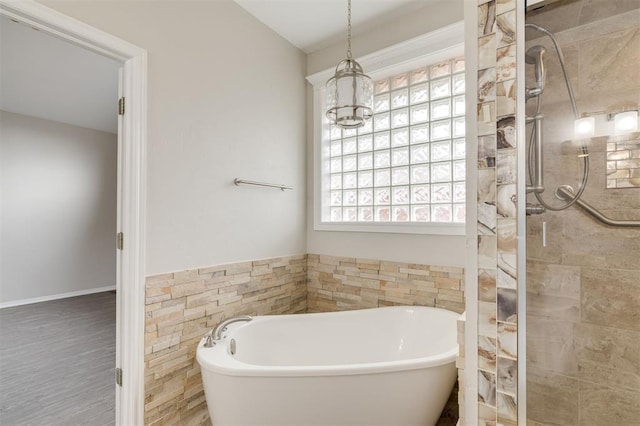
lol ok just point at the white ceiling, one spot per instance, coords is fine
(311, 25)
(42, 76)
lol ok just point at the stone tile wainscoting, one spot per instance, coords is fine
(344, 283)
(182, 306)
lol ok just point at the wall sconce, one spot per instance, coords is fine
(606, 123)
(584, 127)
(625, 122)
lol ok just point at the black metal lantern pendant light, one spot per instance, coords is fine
(349, 91)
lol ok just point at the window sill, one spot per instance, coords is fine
(453, 229)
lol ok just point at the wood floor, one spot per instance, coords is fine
(57, 362)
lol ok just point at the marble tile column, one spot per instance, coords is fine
(497, 236)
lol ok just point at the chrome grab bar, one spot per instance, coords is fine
(565, 192)
(216, 333)
(253, 182)
(538, 171)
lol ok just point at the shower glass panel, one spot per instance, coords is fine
(583, 276)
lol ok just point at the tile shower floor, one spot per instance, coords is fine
(57, 362)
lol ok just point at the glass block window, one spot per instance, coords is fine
(408, 163)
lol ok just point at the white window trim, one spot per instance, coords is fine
(442, 44)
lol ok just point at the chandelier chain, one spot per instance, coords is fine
(349, 29)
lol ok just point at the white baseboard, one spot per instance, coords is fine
(56, 296)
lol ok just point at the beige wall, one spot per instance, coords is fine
(583, 288)
(58, 220)
(226, 100)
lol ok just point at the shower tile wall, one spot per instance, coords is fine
(583, 288)
(623, 161)
(182, 306)
(497, 237)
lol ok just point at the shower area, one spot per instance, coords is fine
(583, 205)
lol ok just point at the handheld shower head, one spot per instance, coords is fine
(535, 56)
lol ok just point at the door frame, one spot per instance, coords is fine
(132, 136)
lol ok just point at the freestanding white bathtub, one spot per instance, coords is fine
(384, 366)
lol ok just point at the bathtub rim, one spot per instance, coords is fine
(218, 359)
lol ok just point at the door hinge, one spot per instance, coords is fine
(119, 376)
(121, 106)
(120, 241)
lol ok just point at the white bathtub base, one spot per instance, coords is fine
(400, 398)
(390, 366)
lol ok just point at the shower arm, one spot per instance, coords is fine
(565, 192)
(549, 34)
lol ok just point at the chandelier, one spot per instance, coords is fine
(349, 91)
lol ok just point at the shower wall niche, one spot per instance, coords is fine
(583, 280)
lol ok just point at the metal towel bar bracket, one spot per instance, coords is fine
(252, 182)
